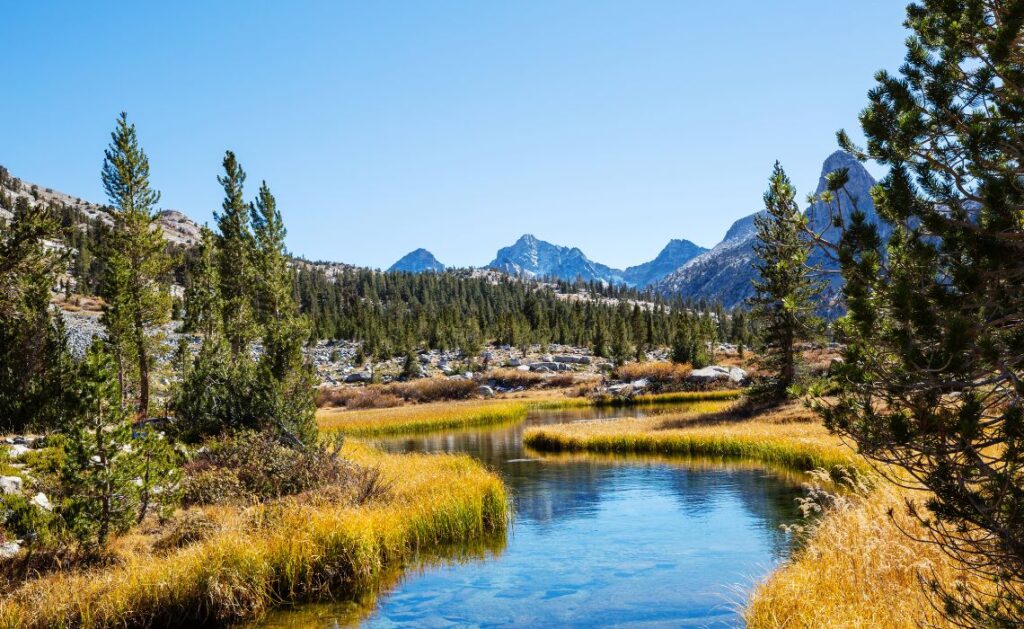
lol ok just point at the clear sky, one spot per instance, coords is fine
(456, 126)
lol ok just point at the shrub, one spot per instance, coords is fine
(207, 485)
(264, 467)
(396, 393)
(512, 378)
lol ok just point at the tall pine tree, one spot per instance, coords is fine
(137, 264)
(785, 295)
(932, 382)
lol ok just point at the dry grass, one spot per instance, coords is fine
(788, 436)
(305, 547)
(421, 418)
(858, 570)
(658, 372)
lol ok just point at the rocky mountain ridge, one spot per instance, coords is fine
(725, 272)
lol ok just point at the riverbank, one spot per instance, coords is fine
(857, 566)
(299, 548)
(438, 416)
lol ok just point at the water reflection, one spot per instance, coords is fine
(597, 540)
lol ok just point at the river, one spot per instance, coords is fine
(596, 541)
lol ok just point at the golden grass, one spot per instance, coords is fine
(786, 437)
(420, 418)
(675, 397)
(296, 549)
(664, 372)
(858, 570)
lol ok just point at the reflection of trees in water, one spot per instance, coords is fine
(562, 486)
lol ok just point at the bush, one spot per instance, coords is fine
(263, 468)
(207, 485)
(513, 378)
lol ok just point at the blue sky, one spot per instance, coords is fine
(455, 126)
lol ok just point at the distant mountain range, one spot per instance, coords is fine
(532, 258)
(722, 273)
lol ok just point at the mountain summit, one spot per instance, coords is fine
(531, 257)
(675, 254)
(418, 261)
(725, 272)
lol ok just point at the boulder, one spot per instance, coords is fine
(485, 391)
(17, 450)
(717, 373)
(514, 362)
(573, 360)
(549, 366)
(10, 484)
(359, 376)
(523, 368)
(642, 383)
(9, 549)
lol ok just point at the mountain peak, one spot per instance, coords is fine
(418, 261)
(675, 254)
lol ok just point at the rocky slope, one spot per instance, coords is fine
(725, 272)
(177, 227)
(417, 262)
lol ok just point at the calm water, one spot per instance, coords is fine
(597, 541)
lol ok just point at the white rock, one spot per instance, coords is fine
(41, 501)
(10, 549)
(10, 484)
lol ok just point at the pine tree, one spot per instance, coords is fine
(202, 293)
(33, 354)
(785, 294)
(235, 259)
(934, 361)
(99, 470)
(138, 299)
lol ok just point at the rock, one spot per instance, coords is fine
(515, 362)
(359, 376)
(549, 366)
(605, 366)
(485, 391)
(616, 389)
(717, 373)
(573, 360)
(10, 484)
(642, 383)
(41, 501)
(523, 368)
(17, 450)
(10, 549)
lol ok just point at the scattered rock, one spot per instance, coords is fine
(10, 484)
(10, 549)
(41, 501)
